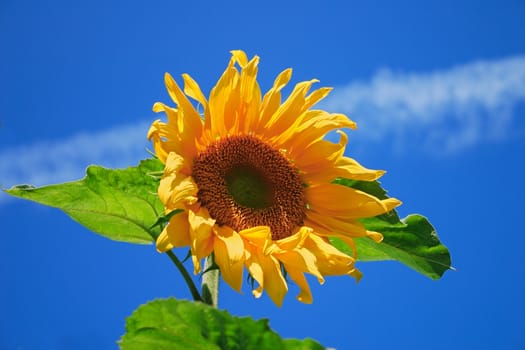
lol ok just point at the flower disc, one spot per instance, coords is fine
(244, 182)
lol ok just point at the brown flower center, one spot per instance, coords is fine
(243, 182)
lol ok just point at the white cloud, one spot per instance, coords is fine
(444, 111)
(49, 162)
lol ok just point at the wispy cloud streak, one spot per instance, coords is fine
(49, 162)
(443, 111)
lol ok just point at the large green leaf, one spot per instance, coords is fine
(412, 241)
(179, 324)
(119, 204)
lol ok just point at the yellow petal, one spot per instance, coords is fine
(166, 139)
(249, 98)
(294, 241)
(255, 269)
(313, 126)
(316, 96)
(233, 243)
(258, 236)
(318, 160)
(257, 292)
(190, 118)
(287, 113)
(178, 230)
(175, 189)
(240, 57)
(230, 260)
(272, 99)
(158, 145)
(375, 236)
(331, 226)
(193, 90)
(321, 123)
(174, 163)
(201, 236)
(163, 243)
(330, 261)
(349, 168)
(273, 281)
(305, 295)
(176, 136)
(171, 113)
(341, 201)
(355, 273)
(186, 121)
(341, 229)
(175, 234)
(300, 259)
(220, 102)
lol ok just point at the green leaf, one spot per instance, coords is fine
(120, 204)
(412, 241)
(180, 324)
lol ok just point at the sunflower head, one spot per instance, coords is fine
(253, 176)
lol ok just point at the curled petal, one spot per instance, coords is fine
(300, 259)
(239, 56)
(178, 135)
(156, 135)
(175, 189)
(193, 90)
(266, 270)
(294, 241)
(341, 201)
(330, 261)
(305, 295)
(351, 169)
(375, 236)
(258, 236)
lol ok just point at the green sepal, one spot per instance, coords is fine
(179, 324)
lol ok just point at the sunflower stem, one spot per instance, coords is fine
(210, 282)
(187, 278)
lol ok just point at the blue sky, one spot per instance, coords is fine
(438, 92)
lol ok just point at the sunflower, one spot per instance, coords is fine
(254, 180)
